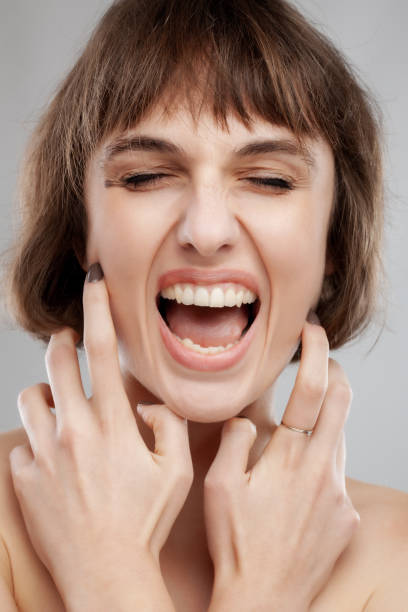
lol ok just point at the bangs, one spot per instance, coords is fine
(207, 56)
(254, 59)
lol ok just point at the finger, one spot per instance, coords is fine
(172, 444)
(100, 339)
(19, 458)
(64, 374)
(237, 438)
(34, 405)
(311, 382)
(170, 434)
(334, 412)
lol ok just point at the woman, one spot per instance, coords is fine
(207, 175)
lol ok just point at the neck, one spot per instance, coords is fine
(204, 438)
(188, 533)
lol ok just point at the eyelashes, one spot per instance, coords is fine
(136, 182)
(143, 179)
(272, 182)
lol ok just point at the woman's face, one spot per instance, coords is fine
(208, 211)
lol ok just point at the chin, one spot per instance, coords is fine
(208, 405)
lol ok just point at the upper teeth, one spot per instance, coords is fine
(216, 296)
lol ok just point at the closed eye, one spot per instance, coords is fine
(150, 179)
(143, 179)
(271, 182)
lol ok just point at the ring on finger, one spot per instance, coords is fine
(307, 432)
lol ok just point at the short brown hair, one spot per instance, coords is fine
(254, 58)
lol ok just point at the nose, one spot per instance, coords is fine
(208, 224)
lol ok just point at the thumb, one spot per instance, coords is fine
(237, 438)
(170, 432)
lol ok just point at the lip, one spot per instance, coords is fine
(206, 363)
(196, 276)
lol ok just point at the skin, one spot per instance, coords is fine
(243, 521)
(204, 215)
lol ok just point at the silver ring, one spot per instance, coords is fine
(307, 432)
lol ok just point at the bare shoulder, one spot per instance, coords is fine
(383, 511)
(377, 552)
(382, 543)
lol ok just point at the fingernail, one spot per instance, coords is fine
(95, 273)
(313, 318)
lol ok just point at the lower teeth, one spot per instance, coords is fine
(205, 349)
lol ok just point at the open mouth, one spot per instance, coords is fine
(205, 328)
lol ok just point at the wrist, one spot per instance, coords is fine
(119, 600)
(125, 590)
(239, 605)
(244, 599)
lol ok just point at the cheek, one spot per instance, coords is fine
(291, 244)
(125, 239)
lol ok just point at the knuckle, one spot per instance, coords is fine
(24, 398)
(336, 372)
(67, 437)
(187, 469)
(323, 341)
(20, 479)
(351, 517)
(184, 478)
(355, 519)
(339, 497)
(211, 480)
(19, 470)
(311, 388)
(342, 391)
(58, 353)
(320, 336)
(238, 425)
(217, 484)
(334, 366)
(99, 345)
(13, 454)
(44, 462)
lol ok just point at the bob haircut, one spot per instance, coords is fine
(252, 58)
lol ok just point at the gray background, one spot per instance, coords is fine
(38, 42)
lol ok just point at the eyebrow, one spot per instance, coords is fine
(251, 149)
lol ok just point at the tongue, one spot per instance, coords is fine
(206, 326)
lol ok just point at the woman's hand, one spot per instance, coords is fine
(97, 504)
(275, 532)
